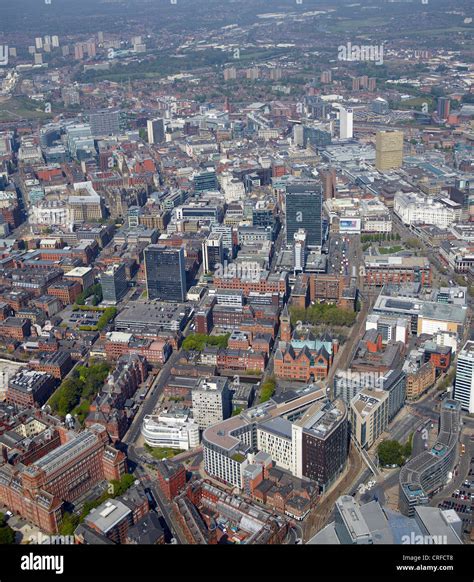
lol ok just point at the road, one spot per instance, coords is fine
(151, 400)
(321, 515)
(402, 429)
(164, 505)
(133, 434)
(462, 470)
(353, 252)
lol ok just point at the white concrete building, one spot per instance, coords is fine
(233, 188)
(299, 250)
(274, 437)
(174, 429)
(49, 213)
(464, 382)
(211, 401)
(414, 208)
(346, 123)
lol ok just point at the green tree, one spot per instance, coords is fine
(198, 341)
(267, 389)
(390, 453)
(7, 535)
(69, 523)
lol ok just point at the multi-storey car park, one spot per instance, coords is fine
(428, 472)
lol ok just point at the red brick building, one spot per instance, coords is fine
(37, 492)
(241, 360)
(302, 366)
(15, 328)
(56, 363)
(394, 269)
(171, 478)
(155, 351)
(269, 284)
(66, 291)
(30, 388)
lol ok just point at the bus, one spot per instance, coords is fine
(463, 448)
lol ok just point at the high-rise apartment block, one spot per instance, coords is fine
(346, 123)
(443, 108)
(156, 130)
(211, 401)
(389, 150)
(321, 442)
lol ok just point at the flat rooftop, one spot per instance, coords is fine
(322, 418)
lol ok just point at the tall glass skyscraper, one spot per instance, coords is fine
(304, 207)
(464, 382)
(165, 273)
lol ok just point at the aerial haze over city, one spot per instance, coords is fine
(237, 279)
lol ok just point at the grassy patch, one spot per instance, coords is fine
(161, 453)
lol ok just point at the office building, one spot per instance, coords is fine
(30, 388)
(380, 106)
(149, 318)
(430, 470)
(304, 204)
(373, 523)
(464, 381)
(112, 519)
(369, 413)
(413, 209)
(380, 270)
(316, 137)
(114, 283)
(165, 273)
(321, 442)
(211, 400)
(105, 122)
(204, 181)
(347, 383)
(426, 317)
(394, 382)
(156, 131)
(298, 135)
(350, 526)
(267, 428)
(173, 429)
(346, 123)
(37, 491)
(212, 252)
(388, 150)
(171, 477)
(228, 238)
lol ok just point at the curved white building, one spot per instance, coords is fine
(175, 429)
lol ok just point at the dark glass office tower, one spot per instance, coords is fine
(304, 207)
(114, 283)
(165, 273)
